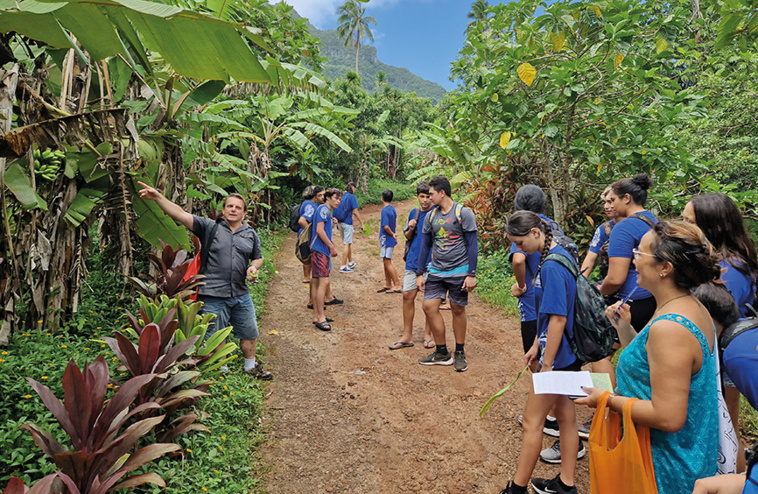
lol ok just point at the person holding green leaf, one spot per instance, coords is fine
(555, 321)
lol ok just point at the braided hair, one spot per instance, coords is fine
(521, 223)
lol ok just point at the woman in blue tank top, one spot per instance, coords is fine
(670, 365)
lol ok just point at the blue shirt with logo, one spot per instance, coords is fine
(344, 212)
(322, 215)
(307, 209)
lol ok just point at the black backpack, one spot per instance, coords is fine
(593, 333)
(409, 241)
(295, 218)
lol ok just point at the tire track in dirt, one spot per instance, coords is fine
(347, 415)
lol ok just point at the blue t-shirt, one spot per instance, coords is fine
(741, 364)
(344, 212)
(389, 218)
(527, 302)
(740, 285)
(322, 215)
(307, 209)
(600, 237)
(625, 236)
(557, 298)
(411, 261)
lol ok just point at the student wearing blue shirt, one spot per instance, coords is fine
(344, 214)
(410, 290)
(721, 221)
(555, 321)
(629, 196)
(387, 243)
(599, 245)
(322, 250)
(307, 208)
(527, 288)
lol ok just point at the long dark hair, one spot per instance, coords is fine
(521, 223)
(721, 221)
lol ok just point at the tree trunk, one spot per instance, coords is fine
(357, 53)
(8, 273)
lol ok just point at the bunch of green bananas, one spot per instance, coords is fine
(47, 163)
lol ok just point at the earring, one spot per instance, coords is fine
(661, 275)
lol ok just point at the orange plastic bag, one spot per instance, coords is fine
(620, 465)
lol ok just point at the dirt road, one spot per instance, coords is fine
(347, 415)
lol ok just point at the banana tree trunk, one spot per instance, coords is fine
(8, 275)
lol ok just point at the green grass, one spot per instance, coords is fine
(220, 462)
(401, 191)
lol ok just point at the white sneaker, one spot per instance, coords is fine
(345, 269)
(351, 265)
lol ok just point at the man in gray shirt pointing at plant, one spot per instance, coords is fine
(234, 254)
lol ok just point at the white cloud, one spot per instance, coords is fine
(322, 13)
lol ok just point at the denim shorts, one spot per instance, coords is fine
(448, 287)
(237, 312)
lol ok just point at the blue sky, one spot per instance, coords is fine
(422, 35)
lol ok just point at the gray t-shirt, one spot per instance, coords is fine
(449, 249)
(229, 256)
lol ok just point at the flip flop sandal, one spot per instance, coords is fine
(400, 344)
(328, 319)
(429, 344)
(396, 291)
(323, 326)
(383, 290)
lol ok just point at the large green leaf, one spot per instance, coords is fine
(17, 180)
(154, 225)
(195, 45)
(82, 205)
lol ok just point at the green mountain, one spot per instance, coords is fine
(342, 59)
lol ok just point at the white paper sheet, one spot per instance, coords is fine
(562, 383)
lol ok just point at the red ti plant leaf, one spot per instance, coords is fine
(45, 440)
(54, 405)
(43, 486)
(169, 360)
(145, 478)
(115, 412)
(78, 403)
(149, 347)
(126, 352)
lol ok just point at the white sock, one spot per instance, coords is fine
(249, 363)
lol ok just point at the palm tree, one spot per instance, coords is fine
(354, 25)
(478, 13)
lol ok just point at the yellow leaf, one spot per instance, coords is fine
(558, 41)
(595, 9)
(494, 97)
(661, 45)
(597, 101)
(643, 152)
(505, 138)
(589, 218)
(599, 167)
(617, 61)
(273, 331)
(527, 73)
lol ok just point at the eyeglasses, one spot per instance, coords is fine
(637, 253)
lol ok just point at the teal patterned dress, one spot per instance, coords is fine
(682, 457)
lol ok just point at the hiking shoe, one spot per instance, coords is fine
(345, 269)
(258, 373)
(351, 265)
(460, 362)
(510, 489)
(437, 359)
(549, 429)
(551, 486)
(584, 429)
(335, 301)
(553, 453)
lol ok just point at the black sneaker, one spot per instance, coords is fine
(258, 373)
(553, 453)
(460, 362)
(549, 429)
(437, 359)
(551, 486)
(335, 301)
(509, 489)
(584, 429)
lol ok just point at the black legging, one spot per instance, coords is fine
(528, 334)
